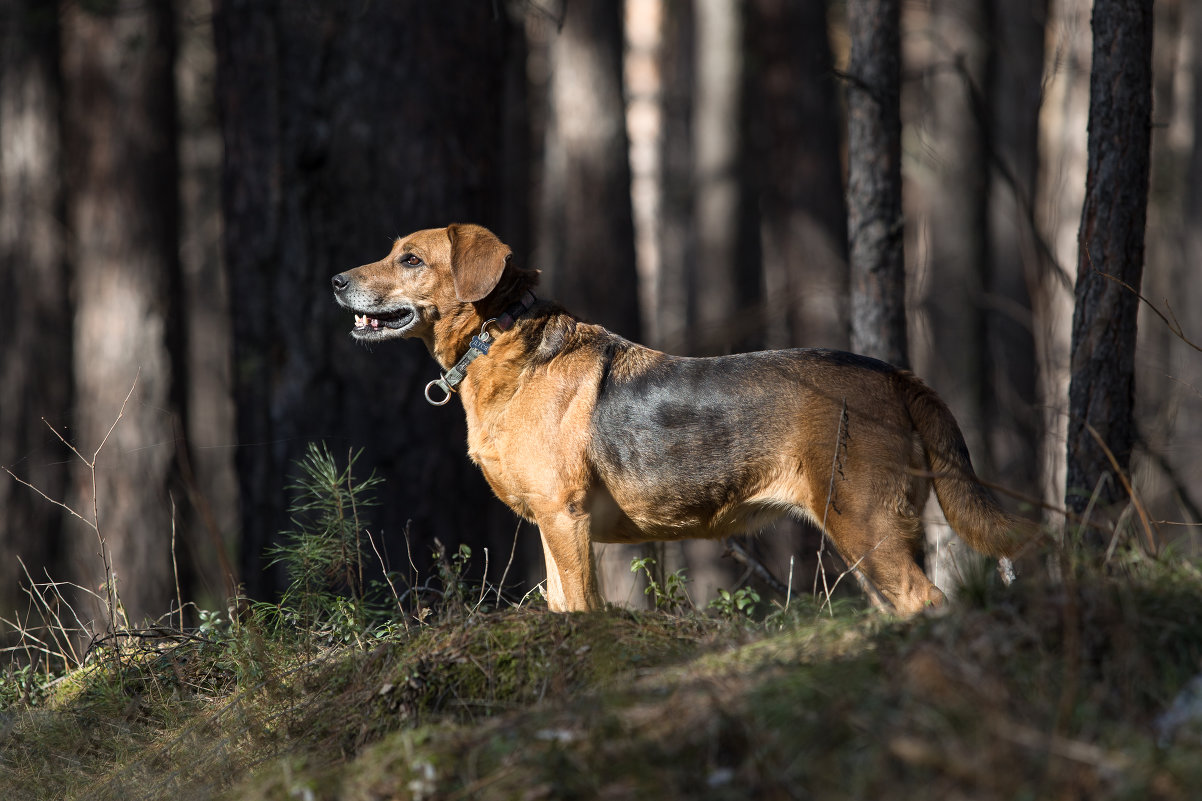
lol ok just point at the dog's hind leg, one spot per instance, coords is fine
(881, 543)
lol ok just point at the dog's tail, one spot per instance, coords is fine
(970, 507)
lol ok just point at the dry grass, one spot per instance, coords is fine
(997, 699)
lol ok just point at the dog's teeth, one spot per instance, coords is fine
(360, 320)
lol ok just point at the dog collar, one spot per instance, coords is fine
(480, 344)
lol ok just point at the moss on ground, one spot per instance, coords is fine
(1041, 691)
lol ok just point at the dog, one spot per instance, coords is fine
(598, 439)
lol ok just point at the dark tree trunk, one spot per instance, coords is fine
(677, 234)
(957, 202)
(122, 211)
(345, 126)
(878, 321)
(1188, 429)
(207, 466)
(35, 360)
(1111, 247)
(586, 241)
(1015, 92)
(793, 125)
(795, 139)
(726, 292)
(586, 247)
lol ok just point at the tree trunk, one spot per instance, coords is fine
(957, 202)
(794, 149)
(122, 212)
(1168, 370)
(586, 247)
(677, 239)
(207, 466)
(35, 362)
(1064, 118)
(1015, 91)
(1188, 430)
(1111, 245)
(346, 126)
(795, 133)
(726, 288)
(953, 355)
(875, 225)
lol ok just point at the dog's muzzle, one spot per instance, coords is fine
(370, 320)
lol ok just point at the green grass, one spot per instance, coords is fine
(1028, 693)
(1048, 689)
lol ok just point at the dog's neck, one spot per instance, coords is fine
(453, 336)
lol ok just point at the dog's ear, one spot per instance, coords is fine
(477, 260)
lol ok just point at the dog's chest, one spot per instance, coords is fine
(532, 445)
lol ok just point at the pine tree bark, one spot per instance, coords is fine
(726, 290)
(346, 126)
(35, 358)
(586, 230)
(957, 203)
(795, 139)
(122, 211)
(875, 225)
(207, 466)
(677, 234)
(1111, 249)
(1189, 421)
(586, 243)
(1015, 92)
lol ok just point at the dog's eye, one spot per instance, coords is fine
(411, 260)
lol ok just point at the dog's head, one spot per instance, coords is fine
(427, 276)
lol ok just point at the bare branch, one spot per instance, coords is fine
(1145, 519)
(1173, 324)
(512, 551)
(387, 577)
(63, 440)
(120, 414)
(740, 555)
(35, 594)
(20, 480)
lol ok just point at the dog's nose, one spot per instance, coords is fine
(340, 282)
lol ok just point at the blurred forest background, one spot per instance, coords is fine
(178, 181)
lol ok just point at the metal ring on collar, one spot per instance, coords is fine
(444, 386)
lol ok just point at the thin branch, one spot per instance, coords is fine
(512, 550)
(840, 432)
(35, 594)
(120, 414)
(874, 594)
(59, 503)
(1173, 325)
(63, 440)
(350, 491)
(483, 583)
(179, 597)
(387, 577)
(421, 613)
(757, 568)
(1166, 467)
(1145, 519)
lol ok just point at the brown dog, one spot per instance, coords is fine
(598, 439)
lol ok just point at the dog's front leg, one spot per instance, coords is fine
(571, 573)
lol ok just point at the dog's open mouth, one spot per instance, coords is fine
(384, 324)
